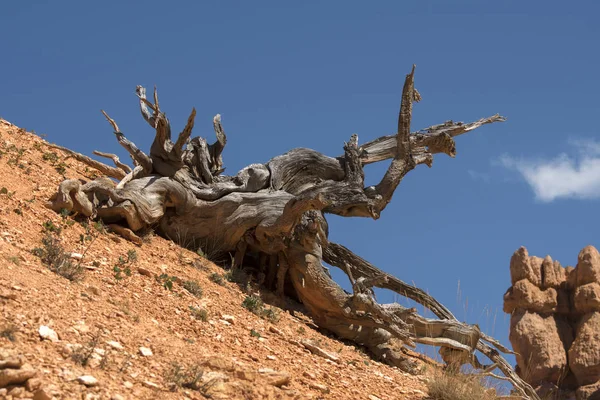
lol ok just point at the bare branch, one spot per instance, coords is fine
(107, 170)
(186, 133)
(138, 156)
(115, 159)
(384, 147)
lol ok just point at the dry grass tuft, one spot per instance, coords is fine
(447, 386)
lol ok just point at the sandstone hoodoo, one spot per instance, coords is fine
(271, 217)
(555, 321)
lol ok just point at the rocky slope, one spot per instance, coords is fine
(555, 322)
(149, 321)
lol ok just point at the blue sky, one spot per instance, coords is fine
(309, 74)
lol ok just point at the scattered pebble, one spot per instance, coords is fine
(146, 352)
(115, 345)
(88, 380)
(48, 334)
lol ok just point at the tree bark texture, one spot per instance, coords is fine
(271, 217)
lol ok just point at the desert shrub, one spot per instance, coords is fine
(193, 287)
(54, 257)
(457, 386)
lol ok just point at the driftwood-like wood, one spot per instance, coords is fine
(271, 219)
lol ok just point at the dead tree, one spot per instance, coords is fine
(272, 217)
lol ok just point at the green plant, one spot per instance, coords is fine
(188, 377)
(49, 226)
(254, 333)
(14, 259)
(272, 314)
(99, 226)
(301, 330)
(217, 278)
(50, 156)
(54, 257)
(8, 332)
(167, 281)
(3, 190)
(199, 313)
(123, 265)
(254, 304)
(61, 168)
(83, 354)
(18, 211)
(193, 287)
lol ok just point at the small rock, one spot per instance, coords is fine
(150, 385)
(228, 318)
(272, 358)
(117, 396)
(226, 323)
(115, 345)
(87, 380)
(373, 397)
(33, 384)
(48, 334)
(15, 376)
(17, 392)
(93, 290)
(275, 330)
(41, 395)
(76, 256)
(99, 351)
(128, 384)
(319, 351)
(319, 387)
(10, 360)
(146, 352)
(309, 375)
(145, 272)
(213, 376)
(275, 378)
(219, 363)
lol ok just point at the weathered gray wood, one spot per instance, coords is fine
(115, 159)
(276, 211)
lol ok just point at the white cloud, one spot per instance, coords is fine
(564, 176)
(479, 176)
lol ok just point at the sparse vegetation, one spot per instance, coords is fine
(50, 156)
(49, 226)
(217, 278)
(83, 354)
(166, 281)
(14, 259)
(199, 313)
(255, 305)
(123, 265)
(100, 227)
(448, 386)
(254, 333)
(8, 332)
(54, 257)
(187, 377)
(193, 287)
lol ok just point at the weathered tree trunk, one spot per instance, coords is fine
(273, 216)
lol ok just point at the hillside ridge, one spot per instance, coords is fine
(133, 322)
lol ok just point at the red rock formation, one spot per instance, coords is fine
(555, 322)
